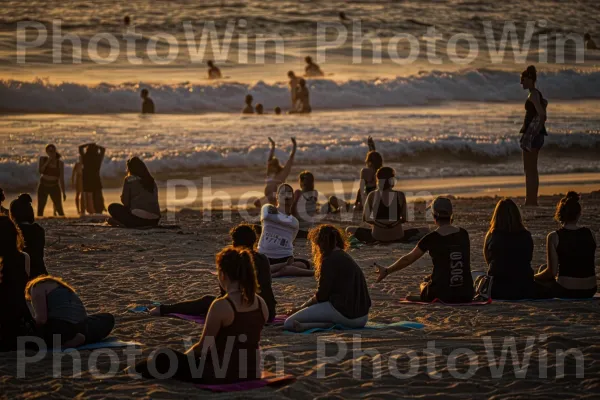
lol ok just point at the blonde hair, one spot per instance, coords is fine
(42, 279)
(324, 239)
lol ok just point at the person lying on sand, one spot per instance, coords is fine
(147, 103)
(213, 71)
(386, 211)
(231, 335)
(312, 70)
(278, 232)
(58, 310)
(450, 251)
(305, 203)
(570, 270)
(243, 237)
(368, 181)
(342, 295)
(248, 109)
(21, 212)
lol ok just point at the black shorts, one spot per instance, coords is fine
(273, 261)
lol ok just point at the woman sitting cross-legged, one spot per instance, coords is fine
(278, 231)
(140, 199)
(58, 310)
(450, 251)
(570, 271)
(231, 336)
(243, 237)
(342, 295)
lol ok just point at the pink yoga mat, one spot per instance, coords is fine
(279, 319)
(268, 379)
(438, 301)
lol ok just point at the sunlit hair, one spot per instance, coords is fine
(374, 159)
(238, 266)
(568, 209)
(324, 239)
(45, 278)
(243, 235)
(506, 219)
(306, 180)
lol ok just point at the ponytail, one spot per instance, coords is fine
(238, 265)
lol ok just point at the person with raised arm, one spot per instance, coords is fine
(277, 173)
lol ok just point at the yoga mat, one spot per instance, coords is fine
(143, 309)
(268, 379)
(200, 319)
(274, 277)
(409, 300)
(108, 343)
(105, 225)
(369, 326)
(596, 297)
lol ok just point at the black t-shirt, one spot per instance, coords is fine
(35, 240)
(343, 284)
(451, 280)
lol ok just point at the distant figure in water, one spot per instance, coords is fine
(589, 43)
(77, 184)
(147, 103)
(92, 156)
(127, 21)
(293, 87)
(213, 71)
(248, 109)
(302, 99)
(312, 69)
(2, 198)
(277, 110)
(343, 16)
(260, 109)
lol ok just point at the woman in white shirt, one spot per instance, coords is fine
(278, 231)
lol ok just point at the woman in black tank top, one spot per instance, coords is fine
(570, 271)
(535, 106)
(239, 316)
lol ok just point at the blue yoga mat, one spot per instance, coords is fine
(370, 326)
(107, 343)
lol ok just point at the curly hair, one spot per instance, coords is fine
(568, 208)
(238, 265)
(324, 239)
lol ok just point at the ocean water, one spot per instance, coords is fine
(430, 118)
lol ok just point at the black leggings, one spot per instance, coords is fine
(52, 190)
(198, 307)
(123, 215)
(365, 236)
(95, 328)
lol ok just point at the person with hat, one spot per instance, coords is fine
(450, 250)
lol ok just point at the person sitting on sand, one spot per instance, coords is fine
(243, 237)
(277, 110)
(248, 109)
(386, 211)
(147, 103)
(213, 71)
(52, 181)
(293, 87)
(231, 335)
(140, 206)
(589, 42)
(508, 250)
(368, 180)
(312, 70)
(305, 203)
(3, 211)
(335, 205)
(59, 311)
(302, 99)
(276, 173)
(342, 295)
(260, 109)
(92, 156)
(278, 231)
(77, 185)
(570, 271)
(450, 251)
(21, 212)
(15, 318)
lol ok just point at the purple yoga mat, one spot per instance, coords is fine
(268, 379)
(279, 319)
(438, 301)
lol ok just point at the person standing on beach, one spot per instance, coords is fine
(293, 87)
(248, 109)
(147, 103)
(533, 132)
(213, 71)
(92, 157)
(312, 70)
(52, 181)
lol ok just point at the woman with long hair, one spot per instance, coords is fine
(570, 270)
(231, 333)
(342, 295)
(278, 232)
(92, 157)
(386, 210)
(305, 203)
(61, 317)
(140, 206)
(533, 132)
(15, 318)
(52, 181)
(21, 212)
(508, 250)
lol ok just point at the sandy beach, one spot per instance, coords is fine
(116, 269)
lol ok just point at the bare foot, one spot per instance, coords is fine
(298, 327)
(155, 312)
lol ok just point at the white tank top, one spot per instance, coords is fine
(278, 233)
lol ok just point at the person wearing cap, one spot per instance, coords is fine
(450, 250)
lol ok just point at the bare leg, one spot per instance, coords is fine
(77, 202)
(89, 203)
(293, 270)
(532, 180)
